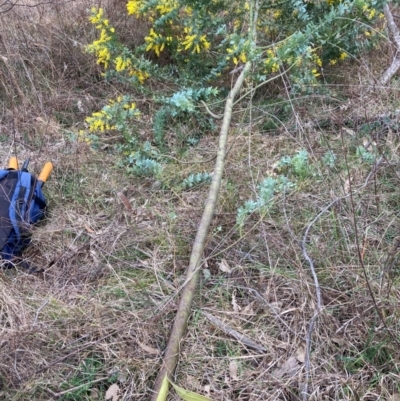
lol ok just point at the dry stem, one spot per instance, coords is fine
(193, 272)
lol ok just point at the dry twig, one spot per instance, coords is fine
(235, 334)
(394, 32)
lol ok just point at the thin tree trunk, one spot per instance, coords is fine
(395, 34)
(193, 272)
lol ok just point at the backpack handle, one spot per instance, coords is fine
(13, 163)
(44, 174)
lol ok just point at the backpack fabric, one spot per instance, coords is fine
(22, 204)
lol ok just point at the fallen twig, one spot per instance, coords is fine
(56, 395)
(318, 296)
(216, 116)
(235, 334)
(193, 271)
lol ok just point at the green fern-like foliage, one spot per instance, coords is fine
(329, 159)
(183, 104)
(146, 167)
(297, 166)
(267, 190)
(365, 155)
(160, 121)
(144, 161)
(186, 99)
(194, 180)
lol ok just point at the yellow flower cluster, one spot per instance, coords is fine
(140, 75)
(156, 42)
(100, 47)
(82, 137)
(271, 61)
(131, 106)
(99, 122)
(316, 60)
(119, 100)
(237, 23)
(310, 59)
(315, 72)
(236, 58)
(121, 64)
(193, 42)
(124, 64)
(166, 6)
(267, 24)
(134, 7)
(163, 7)
(102, 120)
(97, 16)
(342, 56)
(190, 42)
(370, 12)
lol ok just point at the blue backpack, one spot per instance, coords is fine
(22, 204)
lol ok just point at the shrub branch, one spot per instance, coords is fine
(193, 272)
(395, 34)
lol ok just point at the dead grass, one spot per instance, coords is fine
(102, 310)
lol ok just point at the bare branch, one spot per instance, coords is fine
(235, 334)
(393, 30)
(193, 271)
(8, 5)
(395, 34)
(217, 117)
(56, 395)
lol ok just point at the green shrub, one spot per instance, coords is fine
(205, 41)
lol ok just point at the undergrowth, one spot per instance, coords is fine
(118, 235)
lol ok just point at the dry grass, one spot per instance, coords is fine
(102, 310)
